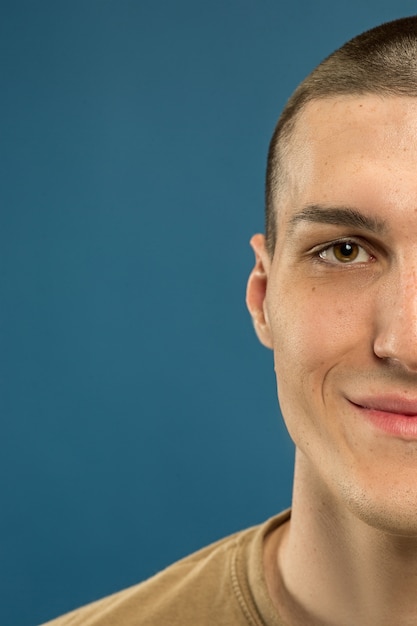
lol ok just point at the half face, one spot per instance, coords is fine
(338, 305)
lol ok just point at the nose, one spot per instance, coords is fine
(396, 333)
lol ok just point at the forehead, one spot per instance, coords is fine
(352, 150)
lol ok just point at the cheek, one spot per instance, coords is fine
(301, 365)
(311, 336)
(306, 331)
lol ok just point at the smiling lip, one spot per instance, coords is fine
(395, 416)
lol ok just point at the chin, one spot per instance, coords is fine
(394, 514)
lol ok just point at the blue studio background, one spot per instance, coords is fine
(138, 411)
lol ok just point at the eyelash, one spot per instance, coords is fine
(320, 253)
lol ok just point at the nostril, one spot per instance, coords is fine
(397, 343)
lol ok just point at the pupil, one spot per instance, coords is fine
(346, 249)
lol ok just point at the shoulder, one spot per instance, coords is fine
(208, 587)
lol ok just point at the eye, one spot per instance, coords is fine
(345, 252)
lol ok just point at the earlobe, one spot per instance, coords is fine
(256, 290)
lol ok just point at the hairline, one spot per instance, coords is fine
(381, 61)
(283, 141)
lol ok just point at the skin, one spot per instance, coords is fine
(342, 323)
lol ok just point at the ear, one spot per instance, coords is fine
(256, 290)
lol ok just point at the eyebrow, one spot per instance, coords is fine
(339, 216)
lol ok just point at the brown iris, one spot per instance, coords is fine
(346, 251)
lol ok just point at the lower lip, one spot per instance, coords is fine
(394, 424)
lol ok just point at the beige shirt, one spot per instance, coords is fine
(221, 585)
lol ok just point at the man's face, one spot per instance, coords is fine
(339, 305)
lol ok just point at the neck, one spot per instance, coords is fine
(333, 568)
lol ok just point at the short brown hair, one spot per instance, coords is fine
(381, 61)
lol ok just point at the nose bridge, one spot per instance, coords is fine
(396, 336)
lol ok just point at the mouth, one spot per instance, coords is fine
(395, 416)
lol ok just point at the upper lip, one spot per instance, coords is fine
(388, 403)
